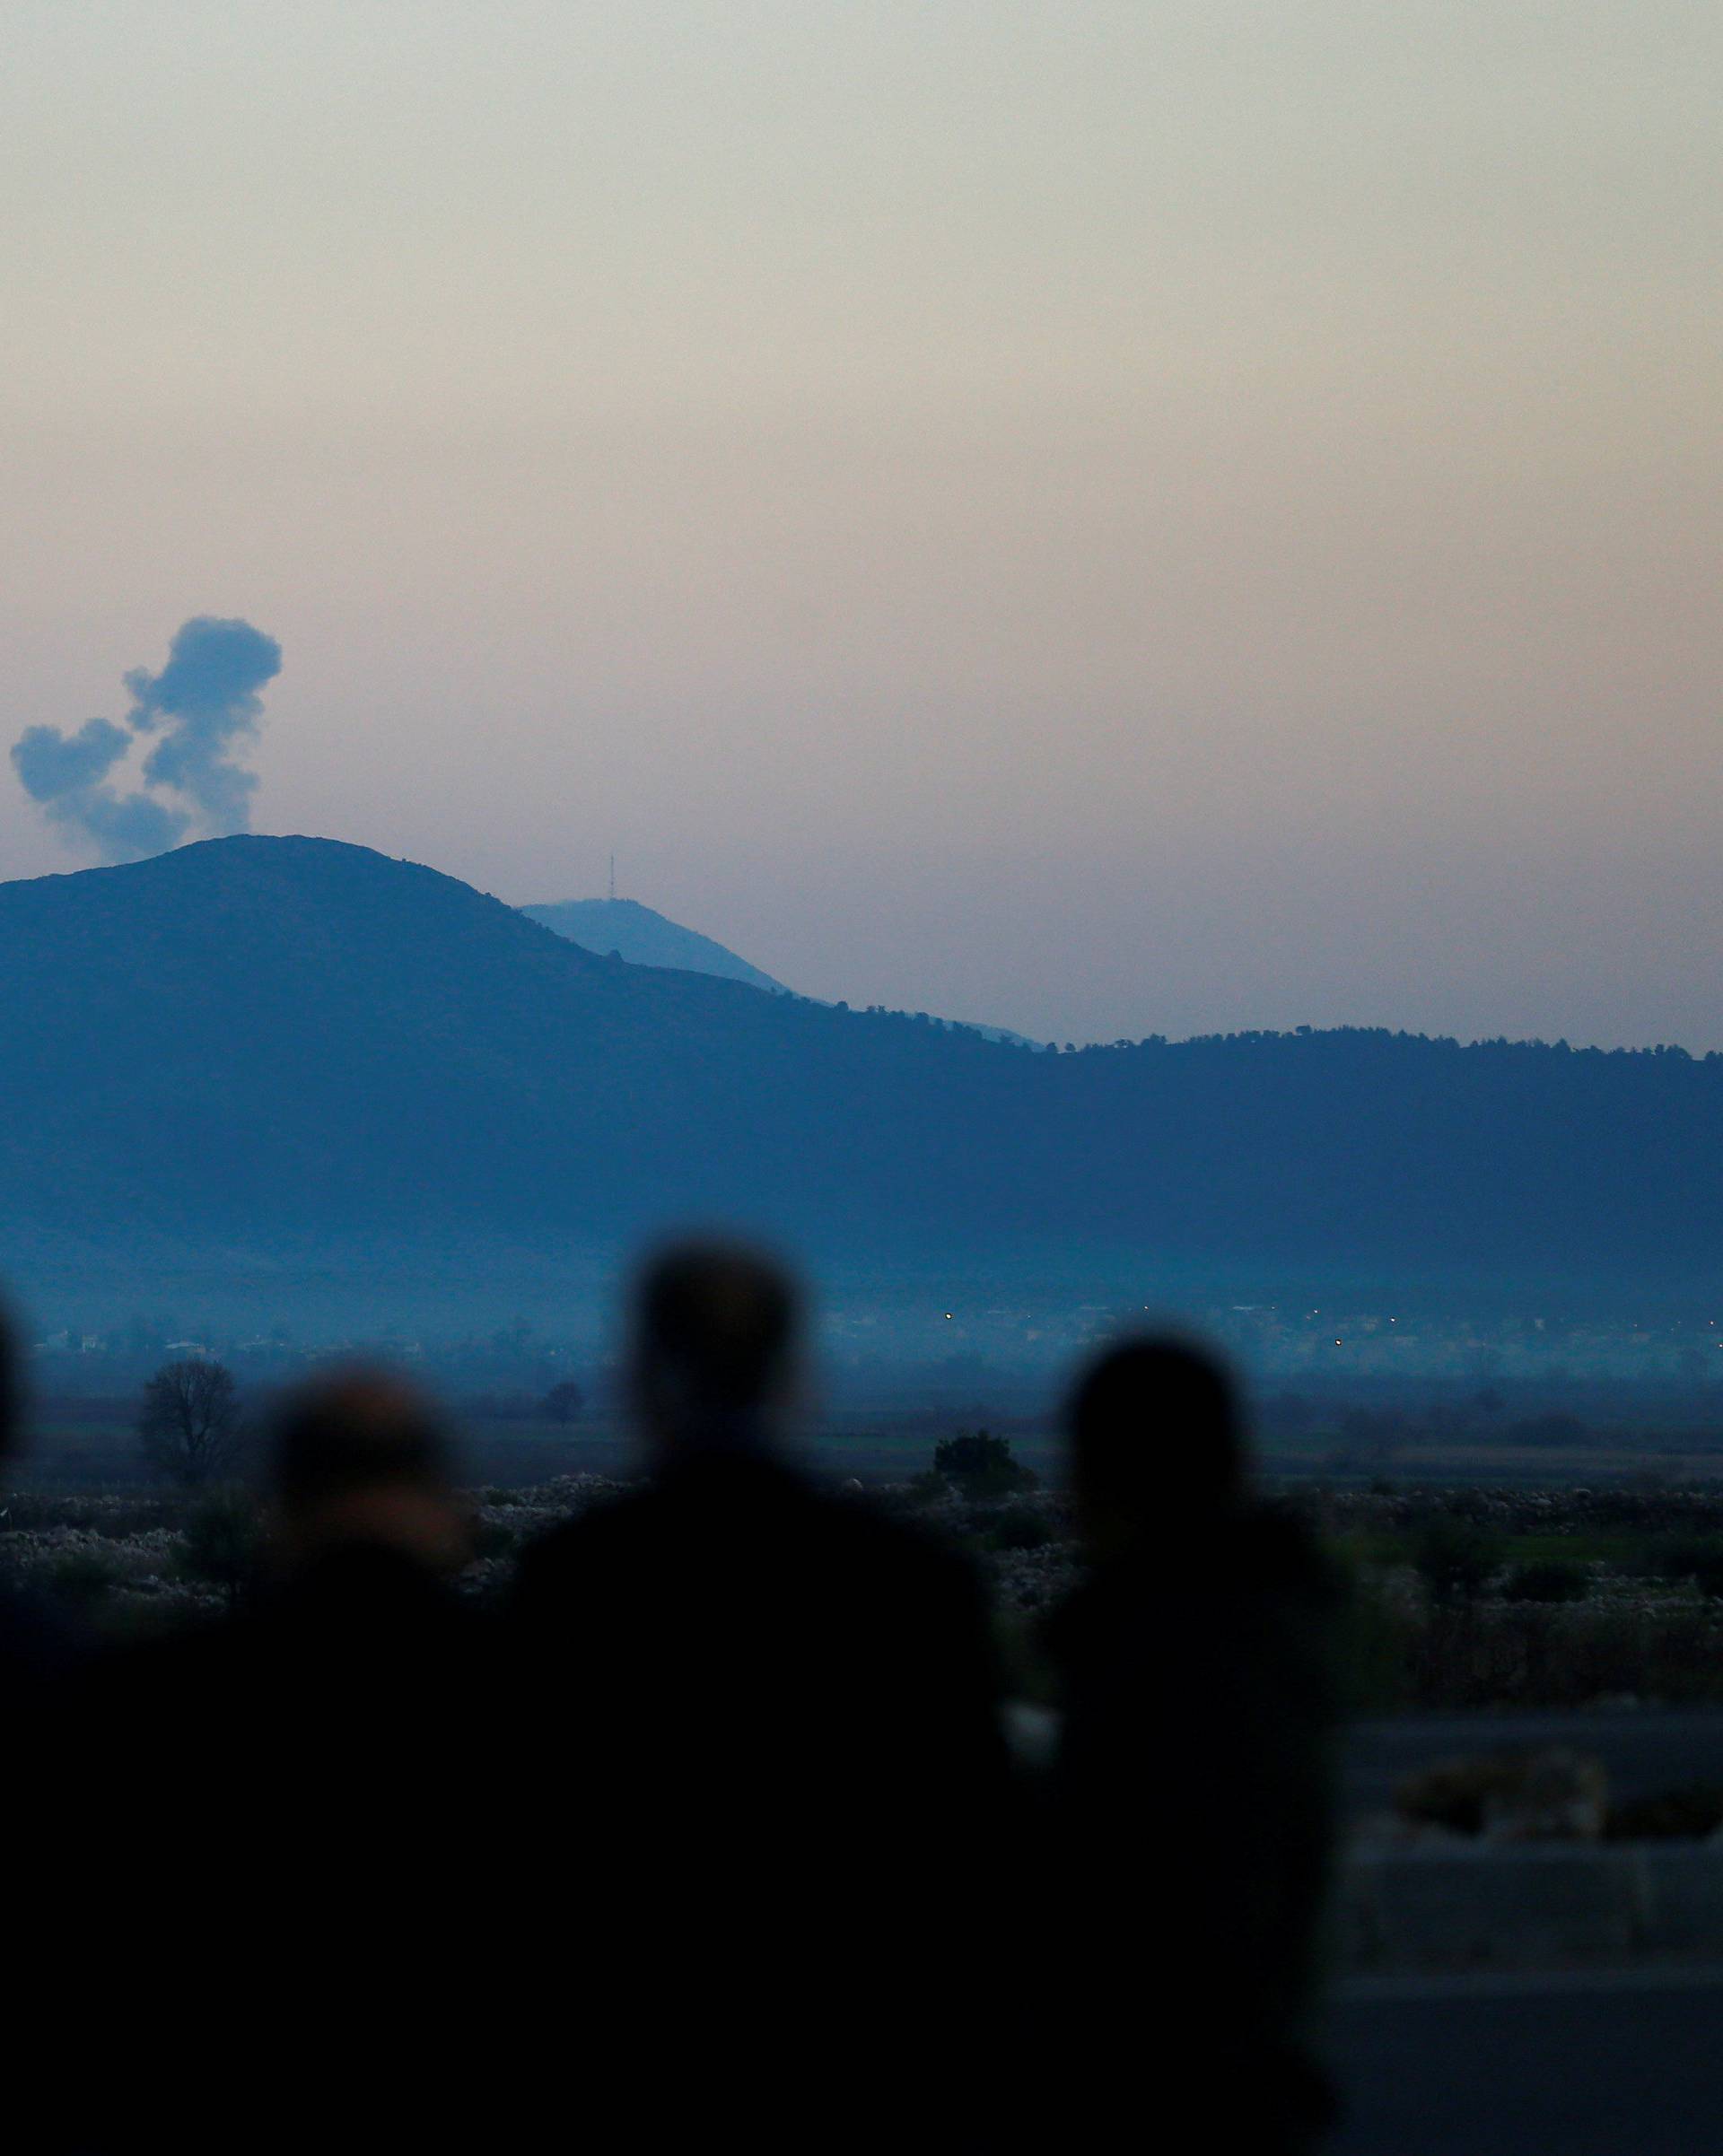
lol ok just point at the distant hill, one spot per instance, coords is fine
(643, 938)
(259, 1038)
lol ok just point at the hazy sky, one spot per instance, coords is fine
(1102, 518)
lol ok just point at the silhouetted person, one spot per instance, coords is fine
(302, 1783)
(1191, 1799)
(39, 1657)
(774, 1712)
(36, 1647)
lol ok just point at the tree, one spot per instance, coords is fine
(190, 1423)
(980, 1465)
(222, 1543)
(563, 1402)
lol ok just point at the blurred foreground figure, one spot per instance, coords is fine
(296, 1780)
(35, 1650)
(1192, 1808)
(774, 1713)
(38, 1662)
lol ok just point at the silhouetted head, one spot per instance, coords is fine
(1156, 1441)
(716, 1346)
(361, 1457)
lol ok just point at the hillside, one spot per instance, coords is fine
(643, 938)
(261, 1037)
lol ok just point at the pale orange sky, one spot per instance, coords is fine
(1099, 518)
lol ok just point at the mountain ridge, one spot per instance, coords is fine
(270, 1037)
(643, 937)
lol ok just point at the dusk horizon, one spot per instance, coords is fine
(861, 1075)
(1173, 519)
(541, 905)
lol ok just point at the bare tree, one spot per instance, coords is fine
(563, 1402)
(190, 1424)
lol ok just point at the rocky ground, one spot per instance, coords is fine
(129, 1561)
(1459, 1598)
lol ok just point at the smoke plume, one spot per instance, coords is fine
(202, 706)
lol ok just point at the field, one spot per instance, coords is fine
(89, 1445)
(129, 1563)
(1458, 1592)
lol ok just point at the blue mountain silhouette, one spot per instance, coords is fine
(643, 938)
(261, 1037)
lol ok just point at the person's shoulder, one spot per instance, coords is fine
(868, 1519)
(571, 1549)
(903, 1551)
(618, 1509)
(1286, 1555)
(363, 1592)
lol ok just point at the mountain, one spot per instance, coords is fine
(634, 932)
(643, 938)
(254, 1042)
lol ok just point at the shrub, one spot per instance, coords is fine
(1020, 1527)
(84, 1576)
(1455, 1558)
(494, 1539)
(222, 1543)
(1373, 1646)
(980, 1465)
(1696, 1558)
(1548, 1580)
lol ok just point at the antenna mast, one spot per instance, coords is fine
(613, 879)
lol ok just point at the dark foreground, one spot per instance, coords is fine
(1581, 2063)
